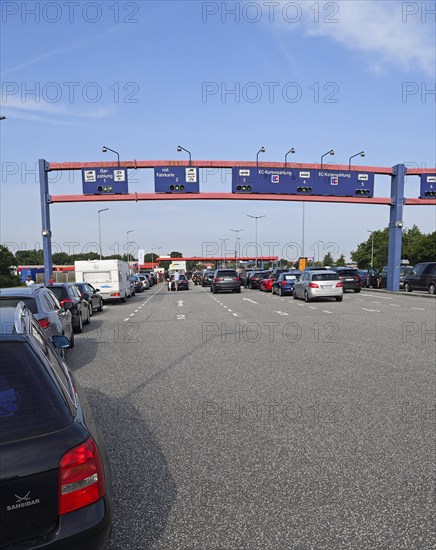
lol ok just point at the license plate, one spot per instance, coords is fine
(326, 286)
(349, 279)
(227, 278)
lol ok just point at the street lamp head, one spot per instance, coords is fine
(104, 149)
(262, 150)
(179, 148)
(331, 152)
(362, 153)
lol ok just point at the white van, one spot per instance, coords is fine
(110, 276)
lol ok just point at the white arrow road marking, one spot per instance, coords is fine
(281, 312)
(180, 317)
(180, 303)
(250, 300)
(377, 310)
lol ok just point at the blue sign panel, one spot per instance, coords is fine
(428, 186)
(294, 181)
(176, 179)
(104, 181)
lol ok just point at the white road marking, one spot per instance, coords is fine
(325, 311)
(281, 312)
(419, 308)
(229, 310)
(311, 307)
(131, 315)
(377, 310)
(126, 319)
(180, 303)
(302, 305)
(235, 314)
(136, 310)
(394, 305)
(181, 317)
(249, 300)
(372, 302)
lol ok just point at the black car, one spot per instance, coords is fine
(137, 283)
(206, 278)
(92, 296)
(68, 292)
(225, 279)
(422, 277)
(254, 279)
(182, 285)
(350, 278)
(55, 482)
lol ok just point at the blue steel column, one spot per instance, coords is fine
(45, 219)
(396, 227)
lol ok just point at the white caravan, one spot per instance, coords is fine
(110, 276)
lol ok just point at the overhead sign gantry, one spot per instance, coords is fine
(107, 181)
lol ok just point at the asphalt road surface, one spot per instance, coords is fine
(247, 421)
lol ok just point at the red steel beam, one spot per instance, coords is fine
(226, 164)
(224, 197)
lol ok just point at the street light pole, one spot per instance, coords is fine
(261, 150)
(256, 218)
(223, 244)
(180, 148)
(236, 231)
(128, 246)
(372, 247)
(331, 152)
(152, 257)
(105, 149)
(361, 154)
(99, 229)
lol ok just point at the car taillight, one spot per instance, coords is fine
(236, 278)
(115, 294)
(81, 477)
(357, 278)
(44, 323)
(284, 283)
(339, 284)
(314, 285)
(66, 300)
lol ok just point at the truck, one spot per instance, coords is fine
(111, 277)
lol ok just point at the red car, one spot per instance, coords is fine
(266, 284)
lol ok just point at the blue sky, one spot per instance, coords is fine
(144, 77)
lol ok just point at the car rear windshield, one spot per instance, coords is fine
(30, 403)
(348, 272)
(227, 273)
(60, 292)
(325, 277)
(12, 302)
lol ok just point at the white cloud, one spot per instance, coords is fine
(383, 31)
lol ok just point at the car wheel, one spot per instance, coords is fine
(338, 298)
(214, 290)
(71, 341)
(280, 292)
(407, 287)
(238, 290)
(100, 307)
(91, 310)
(432, 288)
(357, 290)
(79, 327)
(294, 295)
(88, 317)
(306, 297)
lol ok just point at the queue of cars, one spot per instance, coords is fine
(55, 479)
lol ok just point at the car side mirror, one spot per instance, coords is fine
(60, 341)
